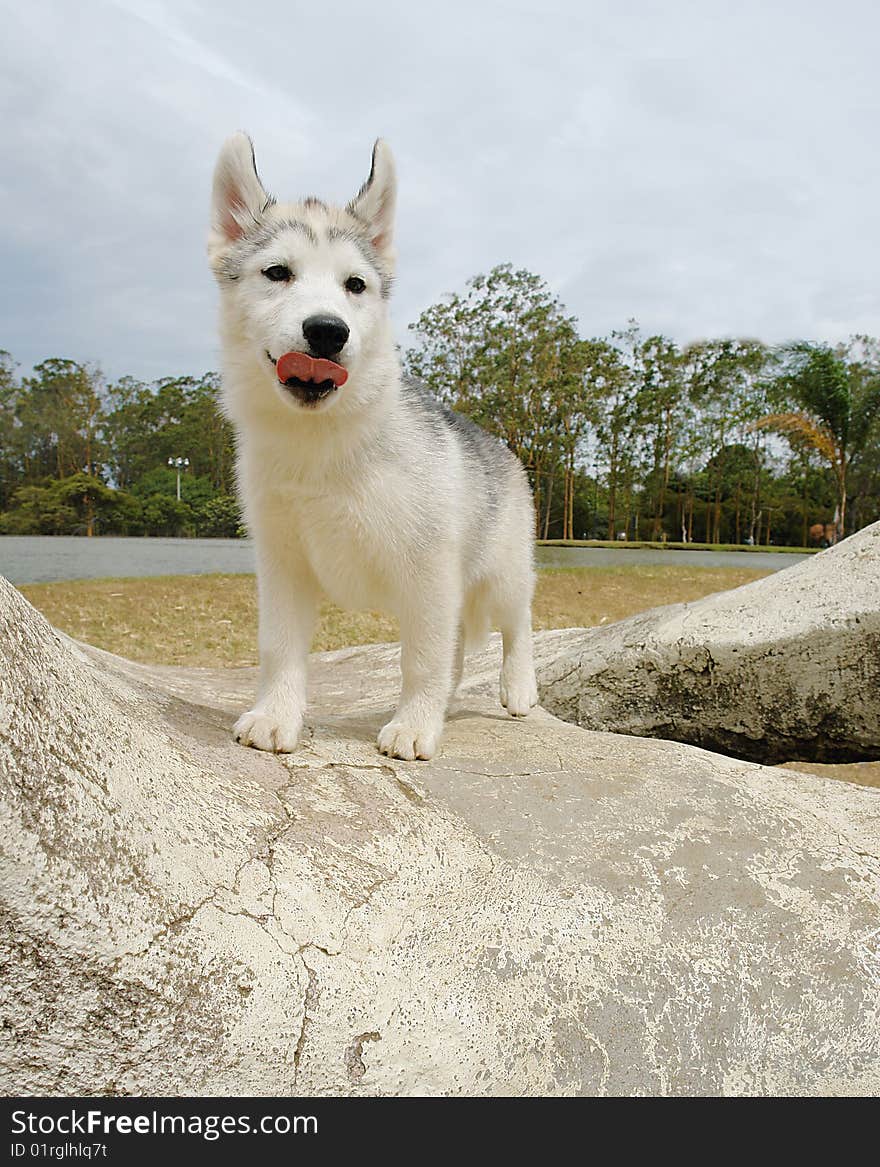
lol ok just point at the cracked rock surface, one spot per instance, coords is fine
(540, 910)
(783, 669)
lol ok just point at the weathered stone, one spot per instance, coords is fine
(540, 910)
(785, 668)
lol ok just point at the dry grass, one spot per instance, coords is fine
(200, 620)
(862, 773)
(211, 620)
(585, 596)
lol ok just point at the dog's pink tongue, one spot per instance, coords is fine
(306, 368)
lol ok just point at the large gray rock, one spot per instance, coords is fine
(785, 668)
(540, 910)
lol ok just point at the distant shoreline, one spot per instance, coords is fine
(649, 545)
(606, 544)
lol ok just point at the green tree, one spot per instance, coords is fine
(163, 515)
(833, 408)
(616, 422)
(175, 417)
(505, 354)
(660, 404)
(128, 431)
(38, 510)
(587, 376)
(60, 415)
(219, 517)
(728, 382)
(91, 500)
(9, 464)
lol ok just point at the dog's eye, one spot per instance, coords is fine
(277, 272)
(355, 284)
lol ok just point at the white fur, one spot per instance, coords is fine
(363, 497)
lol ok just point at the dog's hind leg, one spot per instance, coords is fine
(512, 604)
(519, 689)
(458, 665)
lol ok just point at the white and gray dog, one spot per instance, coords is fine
(356, 482)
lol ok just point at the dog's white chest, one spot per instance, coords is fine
(350, 547)
(347, 567)
(359, 530)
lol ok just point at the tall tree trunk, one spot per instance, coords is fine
(754, 524)
(738, 530)
(664, 481)
(805, 513)
(567, 492)
(570, 516)
(547, 507)
(627, 512)
(612, 490)
(841, 527)
(656, 503)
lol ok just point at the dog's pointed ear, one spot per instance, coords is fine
(238, 199)
(375, 202)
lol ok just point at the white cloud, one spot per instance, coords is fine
(706, 168)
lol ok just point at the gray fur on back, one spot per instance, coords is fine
(480, 448)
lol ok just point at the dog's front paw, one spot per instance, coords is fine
(519, 693)
(265, 731)
(398, 739)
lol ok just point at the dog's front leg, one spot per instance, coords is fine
(429, 630)
(288, 602)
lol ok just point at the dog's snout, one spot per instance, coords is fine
(326, 334)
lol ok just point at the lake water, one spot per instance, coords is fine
(48, 559)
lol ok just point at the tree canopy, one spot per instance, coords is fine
(723, 440)
(634, 435)
(79, 456)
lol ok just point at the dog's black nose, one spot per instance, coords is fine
(326, 334)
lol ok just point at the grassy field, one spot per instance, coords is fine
(211, 620)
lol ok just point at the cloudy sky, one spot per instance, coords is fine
(705, 167)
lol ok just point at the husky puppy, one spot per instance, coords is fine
(357, 483)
